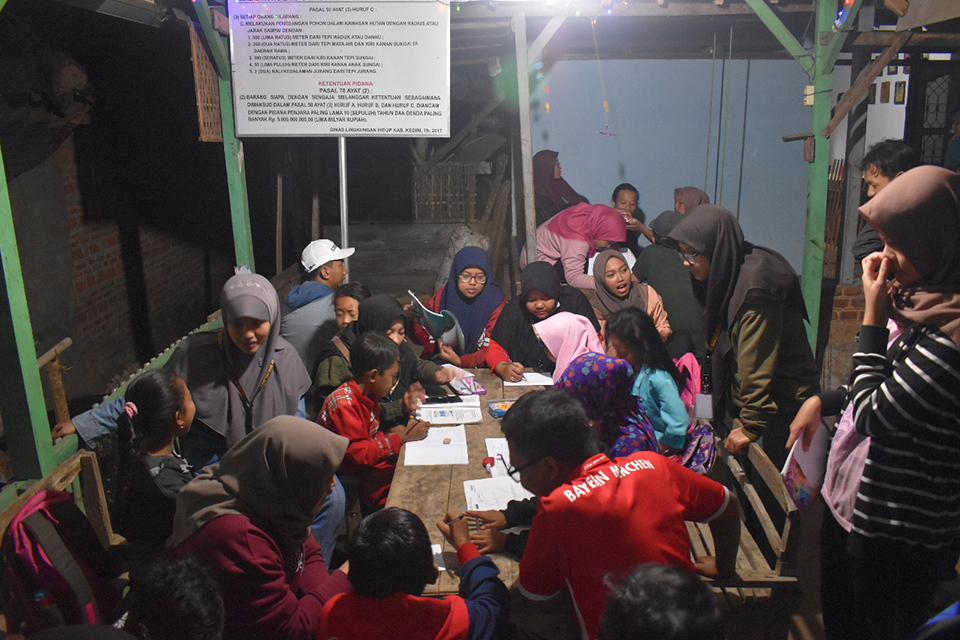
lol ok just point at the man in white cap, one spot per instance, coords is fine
(309, 320)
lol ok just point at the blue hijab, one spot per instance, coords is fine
(472, 314)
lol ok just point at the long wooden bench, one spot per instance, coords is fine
(760, 596)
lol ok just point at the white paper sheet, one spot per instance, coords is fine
(431, 450)
(438, 556)
(497, 449)
(493, 493)
(532, 380)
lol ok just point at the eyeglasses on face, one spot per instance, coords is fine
(466, 277)
(689, 257)
(514, 472)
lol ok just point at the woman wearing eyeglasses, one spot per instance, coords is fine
(757, 350)
(471, 295)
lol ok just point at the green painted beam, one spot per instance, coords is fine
(232, 147)
(827, 56)
(781, 33)
(236, 179)
(21, 395)
(811, 279)
(213, 37)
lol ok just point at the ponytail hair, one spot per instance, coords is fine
(152, 401)
(636, 329)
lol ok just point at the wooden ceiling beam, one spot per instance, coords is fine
(651, 9)
(883, 39)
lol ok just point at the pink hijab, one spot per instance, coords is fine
(566, 336)
(589, 222)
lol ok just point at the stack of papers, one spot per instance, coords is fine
(467, 411)
(443, 445)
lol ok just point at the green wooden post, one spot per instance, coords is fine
(236, 178)
(811, 279)
(232, 147)
(820, 69)
(22, 406)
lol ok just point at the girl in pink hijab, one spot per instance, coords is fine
(566, 336)
(572, 237)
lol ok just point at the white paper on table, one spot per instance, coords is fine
(431, 449)
(532, 380)
(438, 556)
(493, 493)
(496, 449)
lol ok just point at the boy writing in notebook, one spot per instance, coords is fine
(353, 411)
(391, 562)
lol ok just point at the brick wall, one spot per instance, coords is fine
(183, 281)
(103, 338)
(181, 287)
(848, 306)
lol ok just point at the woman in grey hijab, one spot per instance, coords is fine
(239, 376)
(242, 375)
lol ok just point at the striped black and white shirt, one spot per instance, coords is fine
(908, 402)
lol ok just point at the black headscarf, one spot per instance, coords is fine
(514, 330)
(736, 266)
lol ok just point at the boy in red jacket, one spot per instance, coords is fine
(353, 411)
(390, 563)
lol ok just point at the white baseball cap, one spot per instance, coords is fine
(320, 252)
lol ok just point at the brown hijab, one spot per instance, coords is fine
(691, 197)
(276, 476)
(609, 301)
(918, 214)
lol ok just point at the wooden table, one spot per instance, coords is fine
(429, 491)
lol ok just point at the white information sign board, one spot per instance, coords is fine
(328, 68)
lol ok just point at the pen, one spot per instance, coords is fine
(457, 519)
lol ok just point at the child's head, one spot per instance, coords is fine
(660, 602)
(548, 434)
(885, 161)
(390, 553)
(162, 409)
(176, 599)
(539, 289)
(375, 362)
(633, 336)
(470, 271)
(383, 314)
(346, 302)
(625, 198)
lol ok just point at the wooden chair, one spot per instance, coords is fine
(760, 596)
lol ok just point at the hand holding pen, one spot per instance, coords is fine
(415, 430)
(456, 529)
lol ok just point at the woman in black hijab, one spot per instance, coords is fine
(753, 312)
(514, 343)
